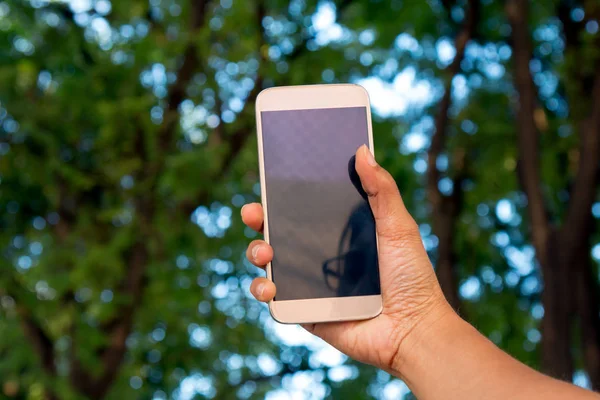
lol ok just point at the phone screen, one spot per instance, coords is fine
(320, 224)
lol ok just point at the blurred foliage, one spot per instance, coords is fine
(119, 201)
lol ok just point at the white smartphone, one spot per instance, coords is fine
(316, 215)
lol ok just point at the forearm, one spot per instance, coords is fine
(448, 359)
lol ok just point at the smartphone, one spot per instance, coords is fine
(317, 216)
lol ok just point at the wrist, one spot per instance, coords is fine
(434, 325)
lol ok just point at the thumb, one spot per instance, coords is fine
(395, 226)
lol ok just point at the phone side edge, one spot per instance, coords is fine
(261, 173)
(372, 149)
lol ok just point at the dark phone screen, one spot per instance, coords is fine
(320, 225)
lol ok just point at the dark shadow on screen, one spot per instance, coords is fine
(355, 270)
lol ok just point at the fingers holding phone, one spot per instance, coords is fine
(259, 253)
(263, 289)
(253, 216)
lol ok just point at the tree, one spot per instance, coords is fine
(562, 249)
(100, 255)
(447, 208)
(127, 148)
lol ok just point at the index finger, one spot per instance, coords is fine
(252, 215)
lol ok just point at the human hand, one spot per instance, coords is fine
(412, 297)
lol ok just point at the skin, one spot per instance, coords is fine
(417, 337)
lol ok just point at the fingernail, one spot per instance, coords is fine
(370, 159)
(260, 289)
(255, 252)
(242, 210)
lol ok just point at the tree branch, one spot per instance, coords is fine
(237, 139)
(586, 90)
(191, 63)
(528, 136)
(446, 209)
(119, 328)
(240, 136)
(112, 357)
(572, 31)
(41, 342)
(586, 180)
(438, 140)
(39, 339)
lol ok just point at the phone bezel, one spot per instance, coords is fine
(313, 97)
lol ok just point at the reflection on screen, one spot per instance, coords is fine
(320, 224)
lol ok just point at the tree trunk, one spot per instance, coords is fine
(446, 209)
(587, 309)
(589, 323)
(446, 257)
(557, 296)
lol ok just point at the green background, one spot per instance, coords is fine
(127, 148)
